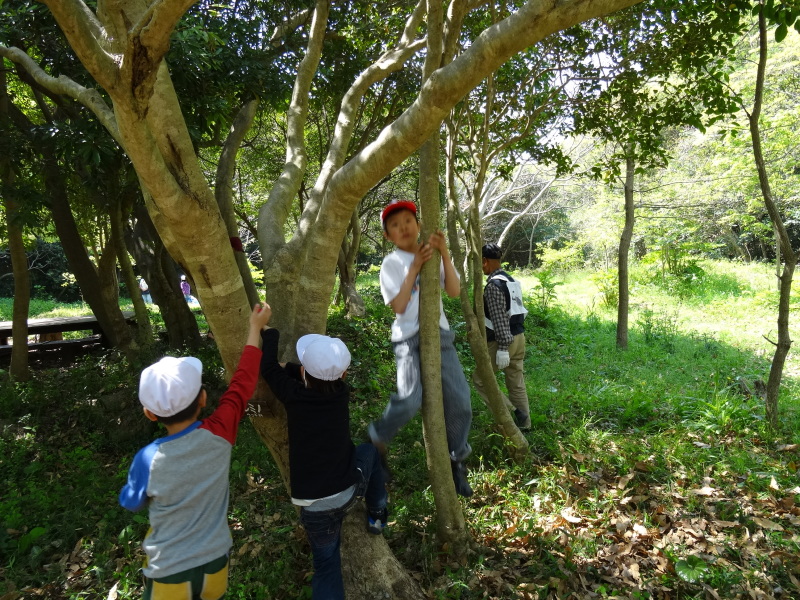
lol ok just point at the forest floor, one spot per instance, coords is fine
(651, 473)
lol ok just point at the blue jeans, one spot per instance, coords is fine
(324, 527)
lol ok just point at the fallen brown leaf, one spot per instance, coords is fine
(767, 524)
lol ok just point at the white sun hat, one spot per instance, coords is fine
(170, 385)
(323, 357)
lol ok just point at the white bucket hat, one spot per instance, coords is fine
(170, 385)
(323, 357)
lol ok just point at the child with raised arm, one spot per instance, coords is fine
(183, 478)
(400, 289)
(327, 472)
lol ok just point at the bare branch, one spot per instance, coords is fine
(388, 63)
(292, 23)
(275, 211)
(87, 37)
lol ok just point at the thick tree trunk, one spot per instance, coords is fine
(98, 285)
(370, 570)
(784, 342)
(624, 251)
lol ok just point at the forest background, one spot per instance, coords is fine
(665, 480)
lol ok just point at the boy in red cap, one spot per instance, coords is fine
(400, 289)
(183, 478)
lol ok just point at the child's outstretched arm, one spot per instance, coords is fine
(259, 319)
(224, 421)
(452, 284)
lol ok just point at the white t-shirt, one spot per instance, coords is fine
(393, 272)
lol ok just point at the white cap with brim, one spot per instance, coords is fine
(170, 385)
(323, 357)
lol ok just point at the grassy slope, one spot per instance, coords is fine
(649, 468)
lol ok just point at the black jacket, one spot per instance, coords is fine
(321, 452)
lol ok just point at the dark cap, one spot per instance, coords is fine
(394, 206)
(492, 251)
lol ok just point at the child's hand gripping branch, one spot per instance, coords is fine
(452, 284)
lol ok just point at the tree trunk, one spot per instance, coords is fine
(371, 571)
(95, 283)
(450, 525)
(624, 250)
(353, 301)
(476, 330)
(226, 168)
(144, 330)
(22, 291)
(784, 342)
(161, 273)
(16, 247)
(473, 311)
(778, 260)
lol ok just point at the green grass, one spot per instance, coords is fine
(654, 457)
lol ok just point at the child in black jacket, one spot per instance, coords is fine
(327, 472)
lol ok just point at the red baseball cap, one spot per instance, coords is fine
(396, 205)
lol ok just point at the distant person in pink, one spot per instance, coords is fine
(187, 291)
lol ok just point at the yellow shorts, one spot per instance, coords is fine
(206, 582)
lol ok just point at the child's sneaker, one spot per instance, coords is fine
(376, 521)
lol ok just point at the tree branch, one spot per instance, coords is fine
(87, 37)
(64, 86)
(155, 26)
(292, 23)
(275, 211)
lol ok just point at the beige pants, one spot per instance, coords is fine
(515, 380)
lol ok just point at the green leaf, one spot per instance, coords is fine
(691, 569)
(781, 32)
(27, 540)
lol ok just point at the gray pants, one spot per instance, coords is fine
(406, 402)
